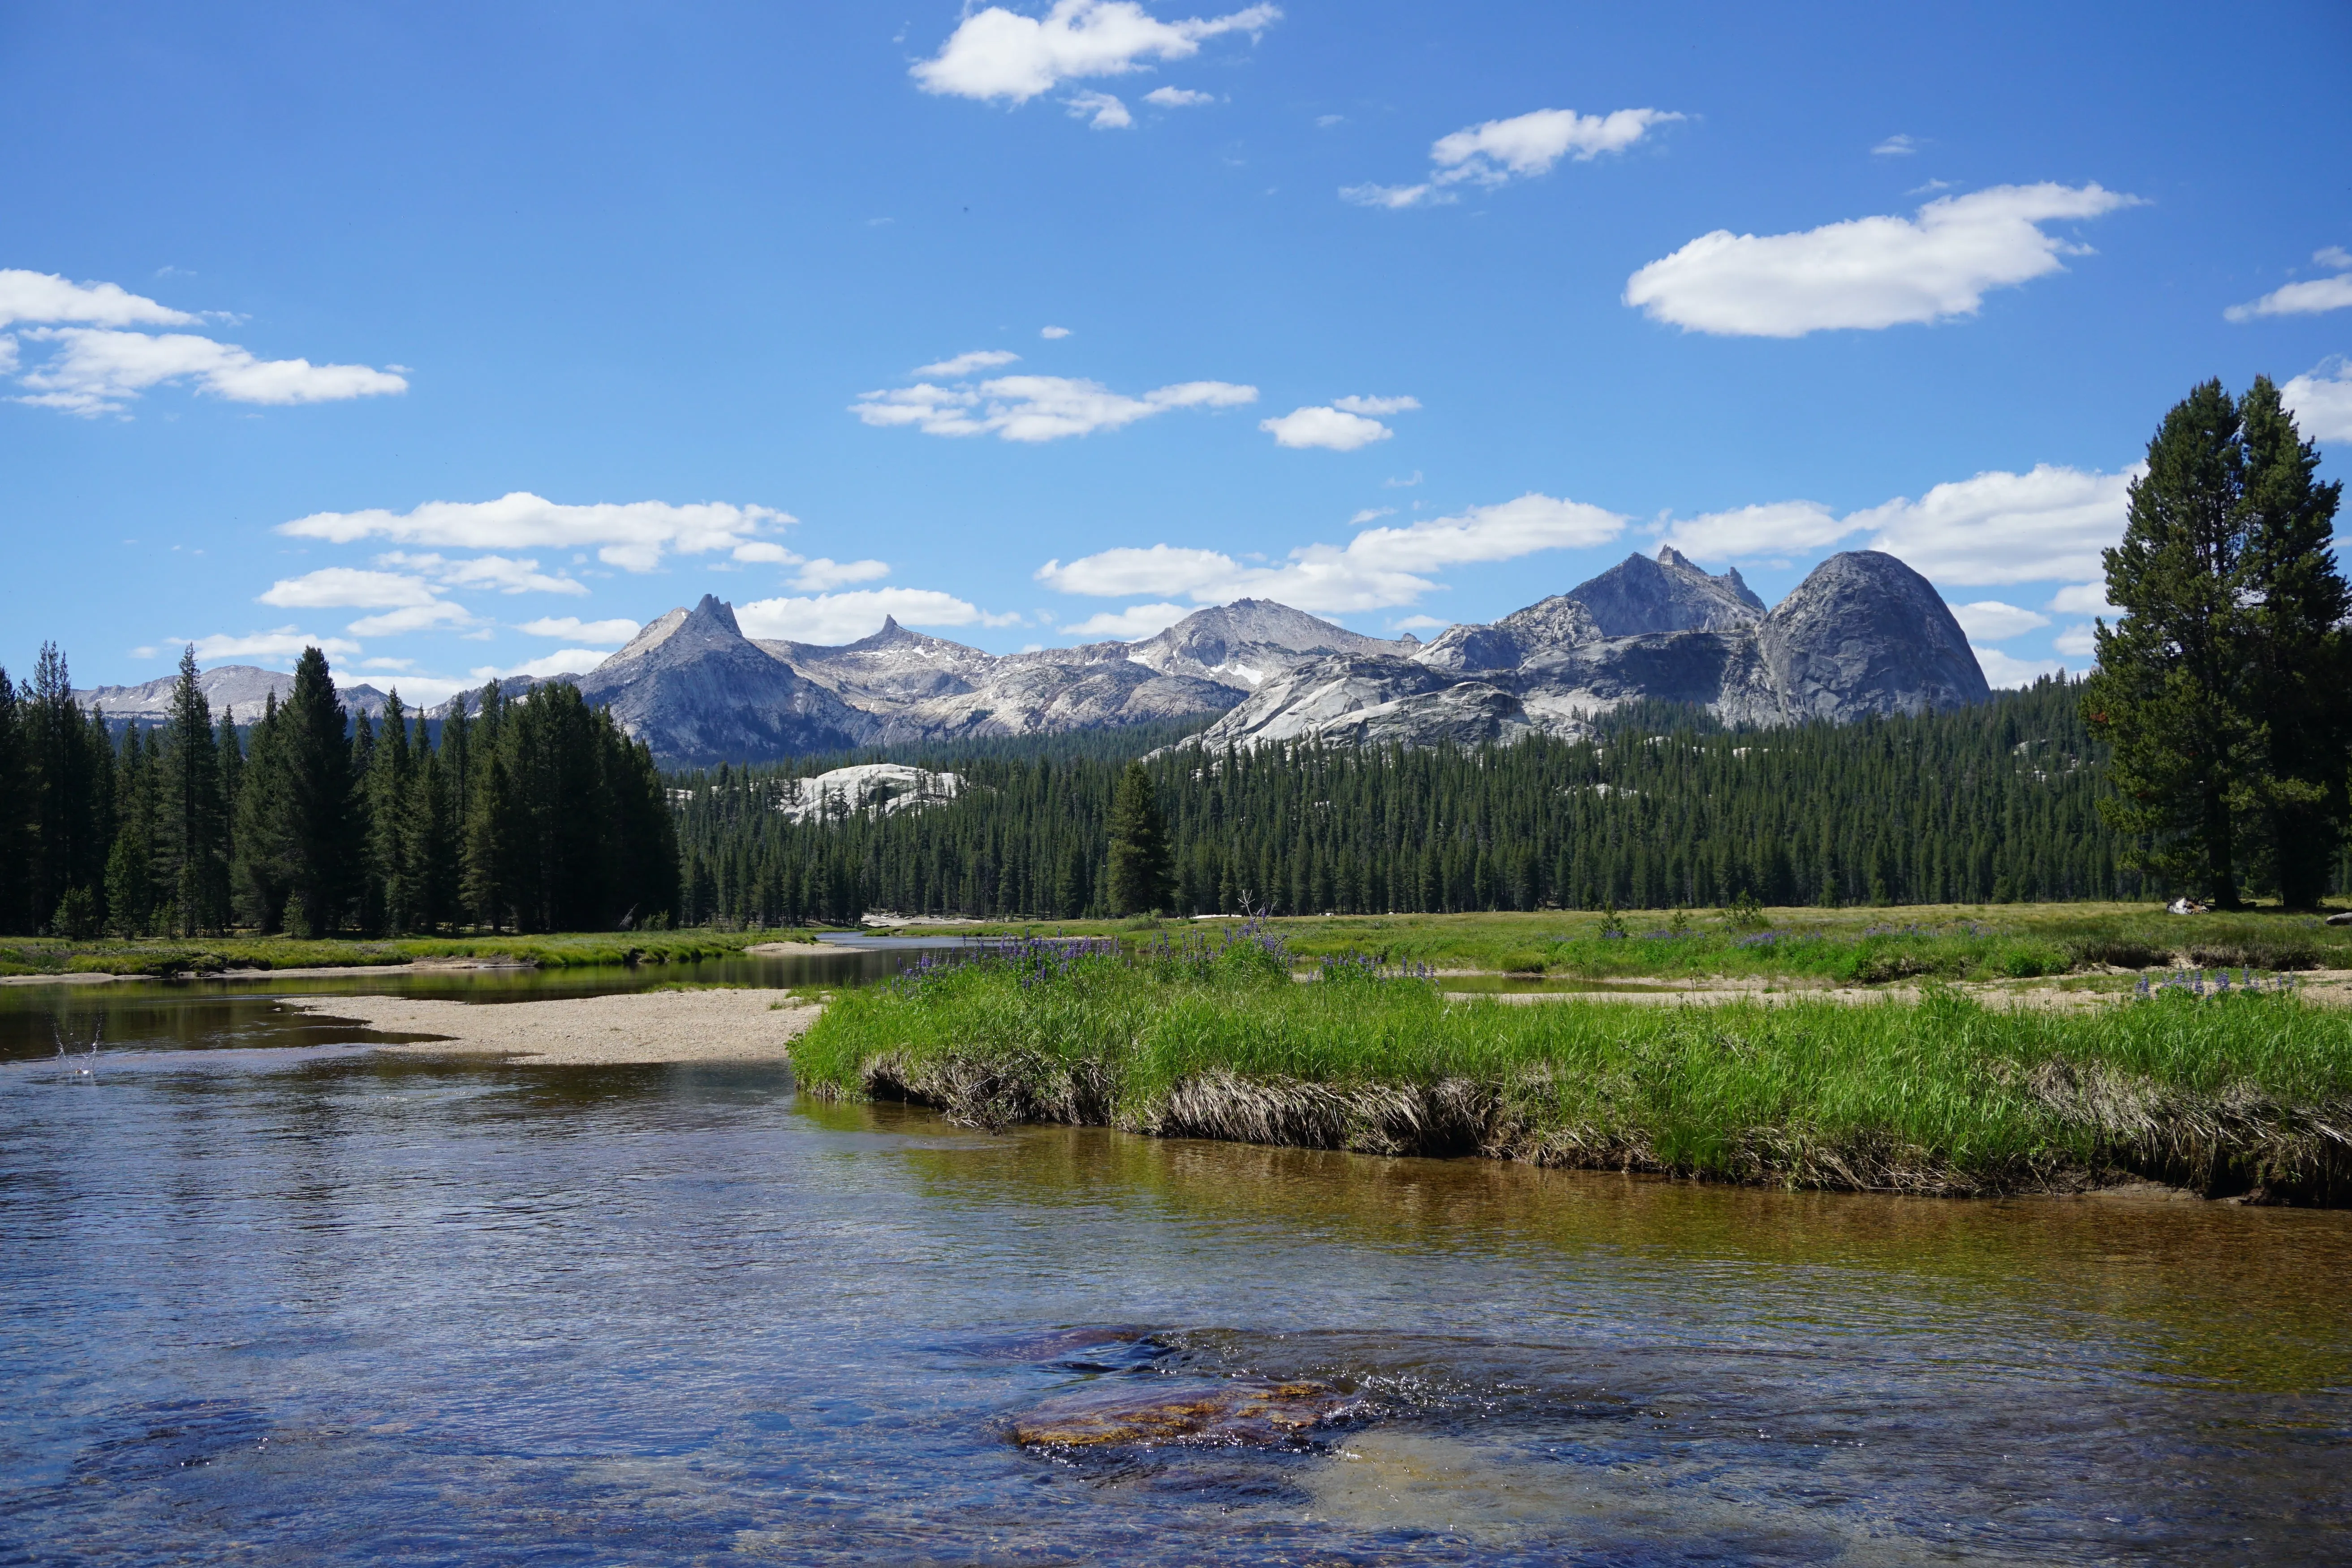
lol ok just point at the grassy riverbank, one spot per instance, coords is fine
(2240, 1093)
(1851, 946)
(51, 955)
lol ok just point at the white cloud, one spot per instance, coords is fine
(2321, 399)
(8, 355)
(2084, 599)
(1530, 144)
(996, 53)
(820, 575)
(95, 369)
(562, 661)
(2002, 671)
(1896, 146)
(503, 572)
(1178, 97)
(46, 296)
(1773, 529)
(845, 617)
(2079, 641)
(612, 631)
(283, 646)
(1993, 621)
(1394, 197)
(348, 587)
(2048, 524)
(2308, 297)
(963, 365)
(437, 613)
(1131, 625)
(1101, 110)
(1866, 272)
(1378, 568)
(1050, 333)
(631, 535)
(764, 552)
(1319, 426)
(1377, 404)
(1499, 151)
(1036, 408)
(1419, 624)
(1371, 514)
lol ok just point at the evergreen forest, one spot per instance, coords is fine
(532, 814)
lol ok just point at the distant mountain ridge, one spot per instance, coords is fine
(241, 688)
(1863, 634)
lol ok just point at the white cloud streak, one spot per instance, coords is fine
(1050, 333)
(1130, 625)
(1001, 54)
(1500, 151)
(963, 365)
(283, 646)
(1990, 620)
(96, 369)
(1378, 568)
(502, 573)
(1326, 427)
(1035, 407)
(46, 296)
(347, 588)
(632, 536)
(1178, 97)
(1867, 273)
(2309, 298)
(1895, 146)
(818, 575)
(612, 631)
(845, 617)
(1101, 110)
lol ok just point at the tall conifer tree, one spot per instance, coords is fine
(1139, 881)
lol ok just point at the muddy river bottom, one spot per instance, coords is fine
(294, 1299)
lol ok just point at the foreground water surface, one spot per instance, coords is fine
(266, 1297)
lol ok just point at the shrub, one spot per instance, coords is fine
(2258, 953)
(1523, 963)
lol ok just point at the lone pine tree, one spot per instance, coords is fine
(2220, 691)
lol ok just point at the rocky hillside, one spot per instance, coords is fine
(242, 688)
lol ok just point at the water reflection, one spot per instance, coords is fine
(283, 1304)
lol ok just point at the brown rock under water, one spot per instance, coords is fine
(1240, 1411)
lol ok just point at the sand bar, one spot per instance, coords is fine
(646, 1026)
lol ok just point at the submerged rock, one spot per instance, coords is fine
(1147, 1412)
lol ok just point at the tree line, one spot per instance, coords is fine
(528, 815)
(1661, 807)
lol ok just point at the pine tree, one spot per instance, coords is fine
(191, 818)
(2302, 694)
(1138, 847)
(15, 813)
(70, 768)
(314, 811)
(262, 877)
(130, 863)
(2173, 691)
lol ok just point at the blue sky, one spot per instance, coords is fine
(457, 335)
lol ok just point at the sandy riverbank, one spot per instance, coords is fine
(316, 972)
(650, 1027)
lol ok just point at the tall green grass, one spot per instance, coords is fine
(1937, 1095)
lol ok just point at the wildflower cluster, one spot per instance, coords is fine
(1363, 969)
(2192, 983)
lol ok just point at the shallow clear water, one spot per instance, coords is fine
(263, 1302)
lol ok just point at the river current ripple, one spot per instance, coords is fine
(266, 1297)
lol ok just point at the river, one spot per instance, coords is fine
(268, 1297)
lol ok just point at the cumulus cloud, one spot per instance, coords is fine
(2305, 298)
(2048, 524)
(1326, 427)
(2003, 670)
(1993, 621)
(1868, 272)
(1101, 110)
(1178, 97)
(632, 535)
(562, 661)
(2321, 399)
(1377, 404)
(1500, 151)
(2084, 599)
(431, 615)
(347, 588)
(963, 365)
(1050, 333)
(612, 631)
(1378, 568)
(1001, 54)
(816, 576)
(96, 369)
(1131, 625)
(845, 617)
(1752, 532)
(1895, 146)
(282, 645)
(46, 296)
(1035, 407)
